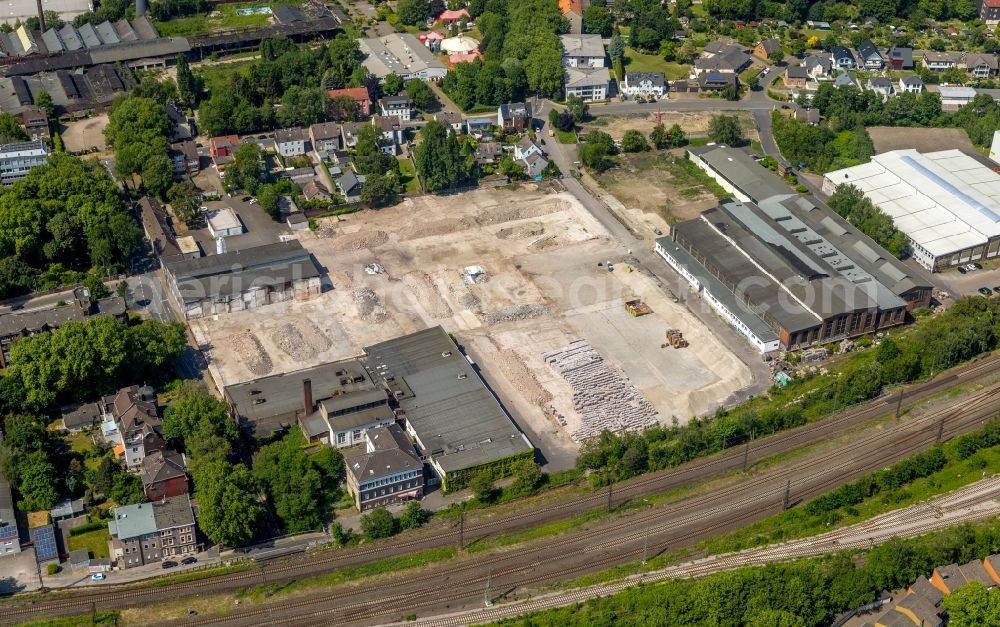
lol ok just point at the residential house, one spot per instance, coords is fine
(818, 66)
(350, 185)
(766, 48)
(349, 132)
(148, 533)
(512, 117)
(795, 77)
(881, 85)
(36, 122)
(526, 147)
(644, 84)
(911, 84)
(716, 81)
(582, 51)
(900, 58)
(399, 106)
(290, 142)
(534, 165)
(453, 120)
(358, 95)
(181, 126)
(846, 80)
(488, 153)
(843, 59)
(912, 609)
(589, 85)
(325, 138)
(68, 508)
(80, 417)
(718, 47)
(941, 61)
(184, 155)
(952, 96)
(479, 126)
(450, 17)
(391, 133)
(222, 150)
(949, 578)
(989, 12)
(315, 190)
(389, 471)
(572, 10)
(138, 427)
(980, 65)
(163, 475)
(731, 60)
(818, 25)
(810, 116)
(869, 57)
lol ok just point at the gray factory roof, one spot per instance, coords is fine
(33, 321)
(395, 53)
(721, 292)
(282, 393)
(237, 271)
(737, 167)
(458, 421)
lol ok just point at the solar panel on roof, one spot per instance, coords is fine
(45, 543)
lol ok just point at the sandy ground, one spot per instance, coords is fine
(85, 134)
(543, 289)
(694, 123)
(886, 138)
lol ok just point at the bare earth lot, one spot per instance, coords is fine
(886, 138)
(85, 134)
(543, 290)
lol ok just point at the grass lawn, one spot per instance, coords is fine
(637, 61)
(217, 76)
(202, 24)
(565, 137)
(94, 541)
(408, 177)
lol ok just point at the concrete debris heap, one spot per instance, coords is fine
(604, 397)
(514, 313)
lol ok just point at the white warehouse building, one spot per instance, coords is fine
(947, 203)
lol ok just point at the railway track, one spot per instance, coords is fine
(697, 518)
(730, 460)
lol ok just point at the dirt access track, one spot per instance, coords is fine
(546, 285)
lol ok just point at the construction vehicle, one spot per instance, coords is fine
(637, 307)
(676, 339)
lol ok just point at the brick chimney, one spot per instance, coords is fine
(307, 396)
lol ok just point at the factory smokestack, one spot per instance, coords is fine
(41, 16)
(140, 7)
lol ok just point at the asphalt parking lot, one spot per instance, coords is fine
(967, 284)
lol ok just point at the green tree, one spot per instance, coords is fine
(379, 189)
(230, 512)
(597, 150)
(267, 198)
(616, 49)
(194, 407)
(126, 489)
(578, 107)
(412, 517)
(422, 95)
(245, 170)
(412, 12)
(44, 101)
(377, 524)
(527, 476)
(439, 160)
(294, 485)
(731, 92)
(597, 19)
(158, 175)
(482, 487)
(137, 120)
(725, 129)
(972, 605)
(103, 476)
(634, 141)
(11, 130)
(511, 169)
(189, 84)
(182, 198)
(38, 482)
(368, 156)
(393, 84)
(95, 286)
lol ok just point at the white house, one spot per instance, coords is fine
(881, 85)
(534, 164)
(399, 106)
(911, 84)
(588, 85)
(582, 51)
(818, 66)
(843, 59)
(525, 148)
(290, 142)
(644, 84)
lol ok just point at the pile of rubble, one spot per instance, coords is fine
(513, 368)
(514, 313)
(252, 353)
(370, 307)
(312, 335)
(427, 295)
(524, 231)
(603, 396)
(363, 240)
(289, 338)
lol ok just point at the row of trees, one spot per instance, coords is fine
(81, 359)
(66, 215)
(294, 77)
(970, 327)
(851, 204)
(818, 147)
(442, 161)
(829, 10)
(138, 129)
(522, 54)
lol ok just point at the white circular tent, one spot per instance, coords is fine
(459, 45)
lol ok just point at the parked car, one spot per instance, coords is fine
(962, 270)
(98, 577)
(189, 560)
(985, 291)
(168, 564)
(972, 266)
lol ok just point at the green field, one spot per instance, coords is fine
(565, 137)
(205, 23)
(94, 541)
(217, 76)
(408, 177)
(636, 61)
